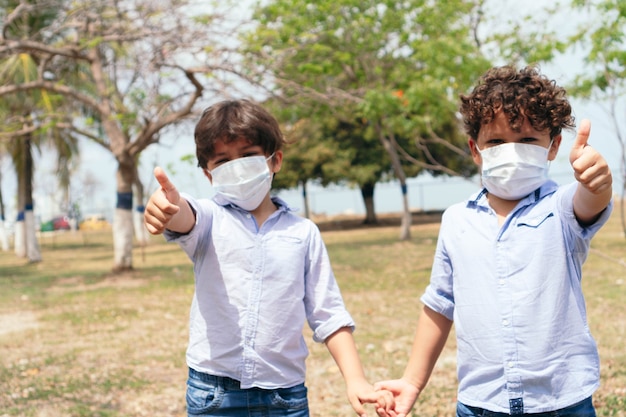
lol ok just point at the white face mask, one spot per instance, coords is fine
(514, 170)
(243, 181)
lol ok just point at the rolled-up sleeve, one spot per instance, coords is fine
(325, 308)
(439, 295)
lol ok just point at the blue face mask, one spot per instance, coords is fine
(511, 171)
(243, 181)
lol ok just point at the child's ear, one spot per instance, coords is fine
(276, 162)
(207, 174)
(473, 146)
(554, 148)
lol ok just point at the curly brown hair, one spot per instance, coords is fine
(523, 94)
(230, 120)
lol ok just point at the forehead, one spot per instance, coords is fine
(224, 147)
(499, 128)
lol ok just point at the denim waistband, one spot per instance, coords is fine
(583, 408)
(224, 381)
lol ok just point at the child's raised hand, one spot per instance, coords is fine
(163, 204)
(590, 168)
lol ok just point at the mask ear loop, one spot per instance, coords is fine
(480, 152)
(268, 159)
(549, 149)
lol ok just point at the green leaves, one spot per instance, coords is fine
(395, 65)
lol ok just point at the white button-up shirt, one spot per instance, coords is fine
(514, 293)
(254, 290)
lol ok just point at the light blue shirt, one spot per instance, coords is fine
(254, 290)
(514, 293)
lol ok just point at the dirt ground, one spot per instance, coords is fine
(90, 365)
(115, 356)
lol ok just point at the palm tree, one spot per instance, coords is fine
(27, 121)
(19, 128)
(145, 68)
(4, 236)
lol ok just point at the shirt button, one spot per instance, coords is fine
(501, 281)
(505, 322)
(510, 364)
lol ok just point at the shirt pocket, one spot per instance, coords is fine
(236, 255)
(286, 256)
(530, 244)
(535, 221)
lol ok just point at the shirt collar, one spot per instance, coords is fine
(479, 199)
(280, 203)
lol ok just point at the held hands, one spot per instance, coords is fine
(404, 396)
(164, 203)
(361, 392)
(590, 168)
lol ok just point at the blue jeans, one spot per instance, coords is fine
(581, 409)
(209, 395)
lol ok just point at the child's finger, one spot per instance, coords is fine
(163, 179)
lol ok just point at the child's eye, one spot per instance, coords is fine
(220, 162)
(529, 140)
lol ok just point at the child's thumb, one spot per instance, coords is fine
(581, 140)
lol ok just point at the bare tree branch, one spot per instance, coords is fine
(53, 87)
(23, 7)
(435, 138)
(35, 48)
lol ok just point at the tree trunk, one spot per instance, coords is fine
(367, 192)
(405, 225)
(389, 144)
(32, 245)
(26, 244)
(19, 235)
(141, 233)
(305, 198)
(19, 243)
(622, 205)
(123, 218)
(4, 235)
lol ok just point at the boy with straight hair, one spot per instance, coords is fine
(261, 271)
(508, 262)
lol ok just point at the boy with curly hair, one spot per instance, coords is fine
(507, 268)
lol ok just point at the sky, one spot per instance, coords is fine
(94, 182)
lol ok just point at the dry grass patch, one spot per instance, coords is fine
(77, 341)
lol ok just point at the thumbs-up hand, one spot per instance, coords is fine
(162, 205)
(590, 168)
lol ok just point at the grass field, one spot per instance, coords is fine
(78, 341)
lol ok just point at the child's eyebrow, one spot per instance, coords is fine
(254, 147)
(218, 155)
(498, 136)
(247, 148)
